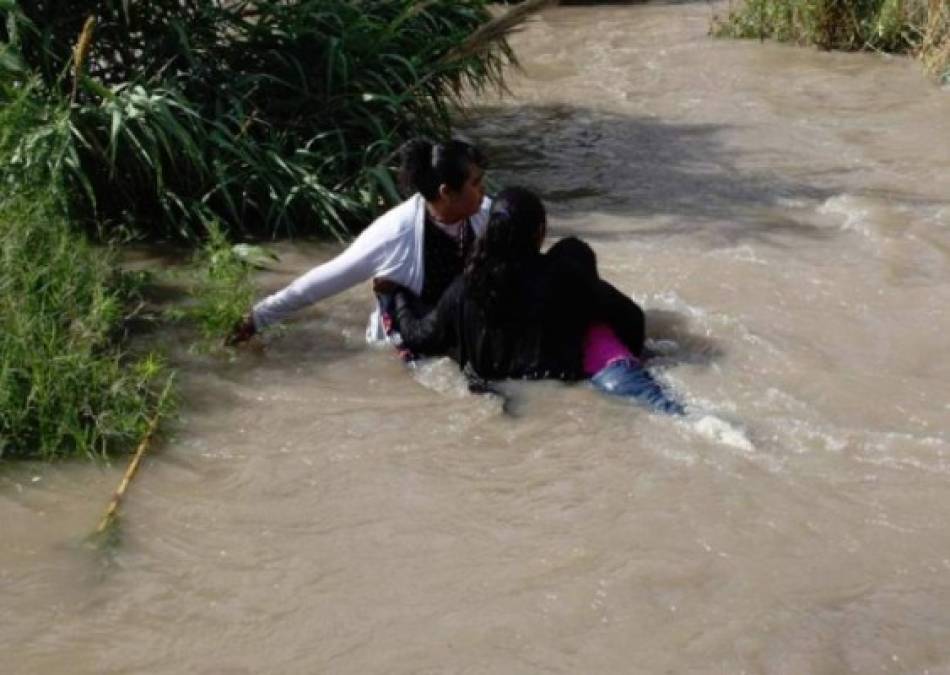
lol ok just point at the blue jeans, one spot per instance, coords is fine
(628, 379)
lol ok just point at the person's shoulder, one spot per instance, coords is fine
(400, 219)
(565, 280)
(566, 268)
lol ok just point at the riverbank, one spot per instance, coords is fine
(918, 27)
(68, 384)
(199, 123)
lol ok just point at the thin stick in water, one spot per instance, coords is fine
(113, 508)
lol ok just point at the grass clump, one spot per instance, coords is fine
(221, 286)
(268, 116)
(66, 386)
(920, 27)
(934, 49)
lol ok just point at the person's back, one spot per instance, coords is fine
(535, 331)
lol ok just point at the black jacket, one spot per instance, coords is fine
(550, 304)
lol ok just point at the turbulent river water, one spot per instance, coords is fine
(782, 214)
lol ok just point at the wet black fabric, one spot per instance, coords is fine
(444, 258)
(551, 303)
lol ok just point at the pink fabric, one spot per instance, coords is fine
(602, 347)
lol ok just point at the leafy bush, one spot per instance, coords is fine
(221, 286)
(270, 116)
(65, 385)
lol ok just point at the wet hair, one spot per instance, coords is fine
(426, 165)
(511, 238)
(576, 252)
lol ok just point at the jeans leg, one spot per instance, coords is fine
(630, 380)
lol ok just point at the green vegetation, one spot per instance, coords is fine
(921, 27)
(221, 286)
(270, 117)
(66, 387)
(195, 120)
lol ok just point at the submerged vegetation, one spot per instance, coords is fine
(221, 287)
(270, 117)
(920, 27)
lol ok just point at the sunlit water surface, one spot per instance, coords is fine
(782, 214)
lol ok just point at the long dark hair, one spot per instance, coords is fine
(426, 165)
(512, 237)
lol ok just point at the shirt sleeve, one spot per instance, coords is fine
(363, 259)
(432, 333)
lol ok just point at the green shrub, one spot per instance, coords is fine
(66, 387)
(221, 286)
(272, 117)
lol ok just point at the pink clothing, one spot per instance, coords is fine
(602, 347)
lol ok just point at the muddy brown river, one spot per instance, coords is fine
(782, 214)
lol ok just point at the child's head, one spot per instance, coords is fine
(447, 175)
(577, 251)
(517, 223)
(515, 230)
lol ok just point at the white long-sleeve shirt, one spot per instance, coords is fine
(390, 248)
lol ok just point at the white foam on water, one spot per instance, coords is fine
(441, 375)
(879, 220)
(720, 431)
(781, 399)
(743, 253)
(792, 203)
(902, 450)
(802, 437)
(856, 212)
(671, 300)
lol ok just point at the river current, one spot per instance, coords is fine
(783, 216)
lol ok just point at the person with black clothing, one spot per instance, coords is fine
(516, 313)
(421, 244)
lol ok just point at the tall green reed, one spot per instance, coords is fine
(220, 285)
(271, 117)
(66, 385)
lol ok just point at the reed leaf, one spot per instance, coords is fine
(191, 109)
(67, 387)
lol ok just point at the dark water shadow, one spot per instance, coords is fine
(583, 160)
(671, 342)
